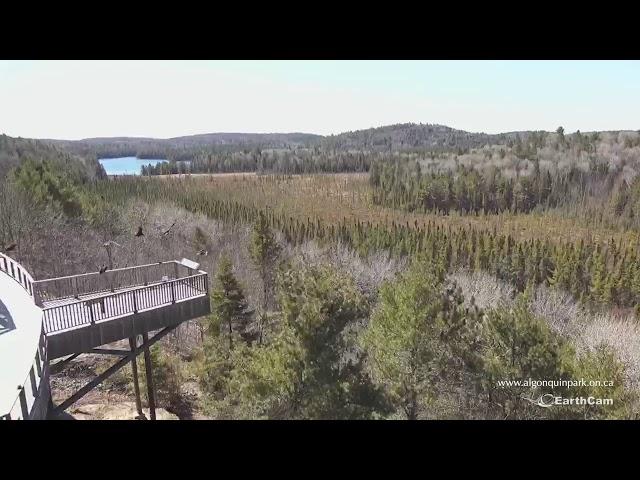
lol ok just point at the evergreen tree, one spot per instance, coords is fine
(264, 252)
(310, 369)
(519, 346)
(601, 364)
(229, 306)
(420, 334)
(222, 346)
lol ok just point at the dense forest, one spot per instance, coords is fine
(467, 190)
(407, 283)
(13, 151)
(600, 273)
(286, 161)
(52, 176)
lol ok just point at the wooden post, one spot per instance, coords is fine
(38, 366)
(41, 347)
(108, 248)
(37, 299)
(134, 368)
(149, 370)
(34, 385)
(23, 403)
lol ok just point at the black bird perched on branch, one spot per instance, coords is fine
(11, 247)
(103, 269)
(139, 232)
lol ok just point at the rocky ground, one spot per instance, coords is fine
(113, 411)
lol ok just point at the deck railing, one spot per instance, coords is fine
(17, 272)
(127, 302)
(91, 283)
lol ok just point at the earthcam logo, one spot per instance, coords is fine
(548, 400)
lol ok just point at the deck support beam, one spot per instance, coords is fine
(109, 351)
(149, 370)
(59, 366)
(133, 343)
(148, 342)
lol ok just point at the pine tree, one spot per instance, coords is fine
(229, 304)
(600, 283)
(420, 334)
(302, 372)
(519, 345)
(264, 252)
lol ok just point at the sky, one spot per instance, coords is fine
(162, 99)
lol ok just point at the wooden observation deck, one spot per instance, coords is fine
(80, 313)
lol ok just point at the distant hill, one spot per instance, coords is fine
(399, 137)
(203, 140)
(408, 136)
(184, 148)
(288, 139)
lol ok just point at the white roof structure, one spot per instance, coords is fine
(20, 329)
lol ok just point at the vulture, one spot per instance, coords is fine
(103, 269)
(203, 252)
(139, 232)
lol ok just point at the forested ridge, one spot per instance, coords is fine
(434, 147)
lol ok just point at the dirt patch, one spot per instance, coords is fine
(115, 411)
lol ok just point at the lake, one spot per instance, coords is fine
(127, 165)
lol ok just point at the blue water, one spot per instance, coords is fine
(126, 165)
